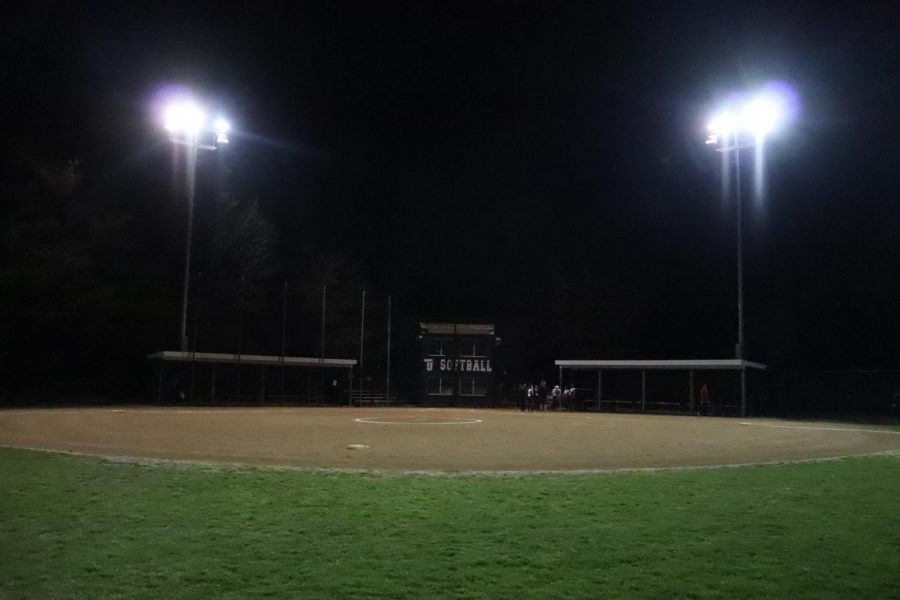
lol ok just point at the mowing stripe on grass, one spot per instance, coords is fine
(220, 465)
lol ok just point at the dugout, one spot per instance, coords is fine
(213, 378)
(673, 386)
(457, 367)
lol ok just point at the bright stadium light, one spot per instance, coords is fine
(184, 117)
(754, 117)
(221, 125)
(723, 123)
(761, 115)
(721, 126)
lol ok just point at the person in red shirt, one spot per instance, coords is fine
(704, 400)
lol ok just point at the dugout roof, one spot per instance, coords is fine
(457, 328)
(731, 364)
(252, 359)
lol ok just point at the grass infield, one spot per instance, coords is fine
(81, 527)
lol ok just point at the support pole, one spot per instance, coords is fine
(192, 179)
(213, 385)
(322, 354)
(743, 391)
(283, 333)
(387, 385)
(350, 386)
(691, 392)
(159, 391)
(362, 341)
(262, 384)
(240, 341)
(740, 253)
(643, 391)
(599, 388)
(196, 329)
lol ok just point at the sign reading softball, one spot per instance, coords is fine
(475, 365)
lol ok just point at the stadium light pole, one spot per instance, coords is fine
(731, 130)
(187, 126)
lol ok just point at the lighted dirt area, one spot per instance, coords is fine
(413, 439)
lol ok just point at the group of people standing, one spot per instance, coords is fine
(531, 397)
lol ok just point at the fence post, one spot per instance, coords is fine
(643, 391)
(322, 355)
(262, 384)
(362, 340)
(387, 386)
(691, 392)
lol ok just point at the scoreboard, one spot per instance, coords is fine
(458, 363)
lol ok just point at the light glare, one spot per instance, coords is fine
(723, 124)
(770, 109)
(184, 118)
(221, 125)
(761, 116)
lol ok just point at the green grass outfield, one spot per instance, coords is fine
(81, 527)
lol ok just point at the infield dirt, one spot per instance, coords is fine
(417, 439)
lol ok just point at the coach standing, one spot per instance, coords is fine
(704, 400)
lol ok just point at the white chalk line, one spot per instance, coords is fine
(383, 472)
(819, 428)
(377, 421)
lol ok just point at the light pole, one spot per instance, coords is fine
(186, 123)
(731, 129)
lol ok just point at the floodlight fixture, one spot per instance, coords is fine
(757, 117)
(184, 117)
(724, 123)
(761, 115)
(221, 128)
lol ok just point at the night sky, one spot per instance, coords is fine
(539, 163)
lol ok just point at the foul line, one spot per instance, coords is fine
(243, 466)
(822, 428)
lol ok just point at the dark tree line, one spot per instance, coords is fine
(64, 275)
(92, 279)
(87, 291)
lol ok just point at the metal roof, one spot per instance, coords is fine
(252, 359)
(721, 364)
